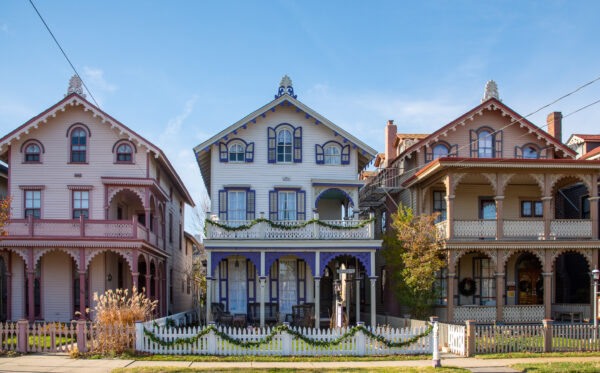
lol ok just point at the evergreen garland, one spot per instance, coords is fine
(287, 329)
(275, 224)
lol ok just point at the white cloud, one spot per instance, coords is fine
(4, 27)
(174, 125)
(95, 78)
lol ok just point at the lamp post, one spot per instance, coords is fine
(596, 277)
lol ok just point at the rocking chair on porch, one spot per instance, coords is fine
(220, 315)
(271, 313)
(303, 315)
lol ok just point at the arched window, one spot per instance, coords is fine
(486, 144)
(332, 155)
(439, 151)
(32, 153)
(124, 153)
(78, 146)
(284, 146)
(236, 153)
(529, 152)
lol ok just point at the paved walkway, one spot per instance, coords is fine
(62, 363)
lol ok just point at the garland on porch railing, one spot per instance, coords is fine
(169, 323)
(284, 328)
(275, 224)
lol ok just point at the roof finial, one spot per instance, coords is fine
(491, 90)
(285, 87)
(75, 86)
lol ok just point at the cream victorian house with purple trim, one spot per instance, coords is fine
(285, 164)
(95, 206)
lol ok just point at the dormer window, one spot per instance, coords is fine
(236, 153)
(124, 153)
(32, 150)
(440, 151)
(78, 146)
(332, 155)
(284, 146)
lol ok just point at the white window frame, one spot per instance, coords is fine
(334, 158)
(236, 206)
(239, 150)
(286, 150)
(285, 209)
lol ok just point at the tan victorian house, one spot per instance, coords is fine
(521, 235)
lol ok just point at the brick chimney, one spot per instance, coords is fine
(554, 121)
(390, 136)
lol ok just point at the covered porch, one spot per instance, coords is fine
(303, 287)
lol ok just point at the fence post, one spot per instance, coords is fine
(470, 351)
(435, 343)
(81, 336)
(361, 340)
(139, 336)
(286, 341)
(547, 323)
(212, 340)
(22, 335)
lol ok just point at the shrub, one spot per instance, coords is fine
(115, 315)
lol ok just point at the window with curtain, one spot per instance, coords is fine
(287, 285)
(486, 144)
(236, 205)
(237, 153)
(484, 277)
(237, 285)
(287, 205)
(332, 155)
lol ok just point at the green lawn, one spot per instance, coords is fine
(250, 358)
(43, 341)
(293, 370)
(590, 367)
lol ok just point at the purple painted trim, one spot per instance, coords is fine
(363, 257)
(292, 248)
(218, 256)
(308, 257)
(337, 184)
(339, 190)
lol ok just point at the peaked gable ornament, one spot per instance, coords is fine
(491, 91)
(285, 88)
(75, 86)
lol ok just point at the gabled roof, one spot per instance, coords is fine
(202, 151)
(75, 99)
(489, 104)
(379, 159)
(580, 138)
(592, 154)
(412, 136)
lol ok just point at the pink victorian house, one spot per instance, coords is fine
(95, 206)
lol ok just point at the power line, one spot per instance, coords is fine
(468, 144)
(63, 52)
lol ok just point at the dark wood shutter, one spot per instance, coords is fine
(251, 282)
(298, 145)
(301, 276)
(223, 156)
(222, 205)
(250, 152)
(271, 145)
(273, 206)
(223, 283)
(474, 143)
(346, 154)
(498, 144)
(274, 282)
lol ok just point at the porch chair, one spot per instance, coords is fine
(271, 313)
(220, 315)
(303, 315)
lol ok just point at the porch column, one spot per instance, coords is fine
(317, 296)
(594, 217)
(500, 278)
(263, 283)
(450, 302)
(373, 308)
(156, 287)
(208, 285)
(499, 217)
(148, 275)
(450, 216)
(30, 285)
(82, 283)
(147, 223)
(135, 275)
(547, 274)
(9, 287)
(357, 283)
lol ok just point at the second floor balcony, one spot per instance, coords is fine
(262, 229)
(69, 229)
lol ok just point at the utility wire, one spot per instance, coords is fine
(522, 118)
(63, 52)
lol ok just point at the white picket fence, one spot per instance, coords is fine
(575, 337)
(282, 343)
(178, 319)
(456, 338)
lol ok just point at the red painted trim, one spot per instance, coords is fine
(535, 128)
(80, 187)
(32, 187)
(38, 142)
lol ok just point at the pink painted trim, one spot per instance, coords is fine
(80, 187)
(38, 142)
(32, 187)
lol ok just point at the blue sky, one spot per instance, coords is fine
(178, 72)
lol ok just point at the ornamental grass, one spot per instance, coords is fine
(115, 314)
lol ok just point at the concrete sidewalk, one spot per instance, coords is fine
(62, 363)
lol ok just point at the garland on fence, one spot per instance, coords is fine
(274, 224)
(169, 323)
(287, 329)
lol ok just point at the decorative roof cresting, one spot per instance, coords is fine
(491, 90)
(285, 88)
(75, 86)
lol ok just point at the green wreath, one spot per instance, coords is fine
(467, 287)
(288, 227)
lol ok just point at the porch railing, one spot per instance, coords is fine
(72, 228)
(350, 230)
(571, 228)
(519, 228)
(476, 313)
(523, 313)
(479, 228)
(523, 228)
